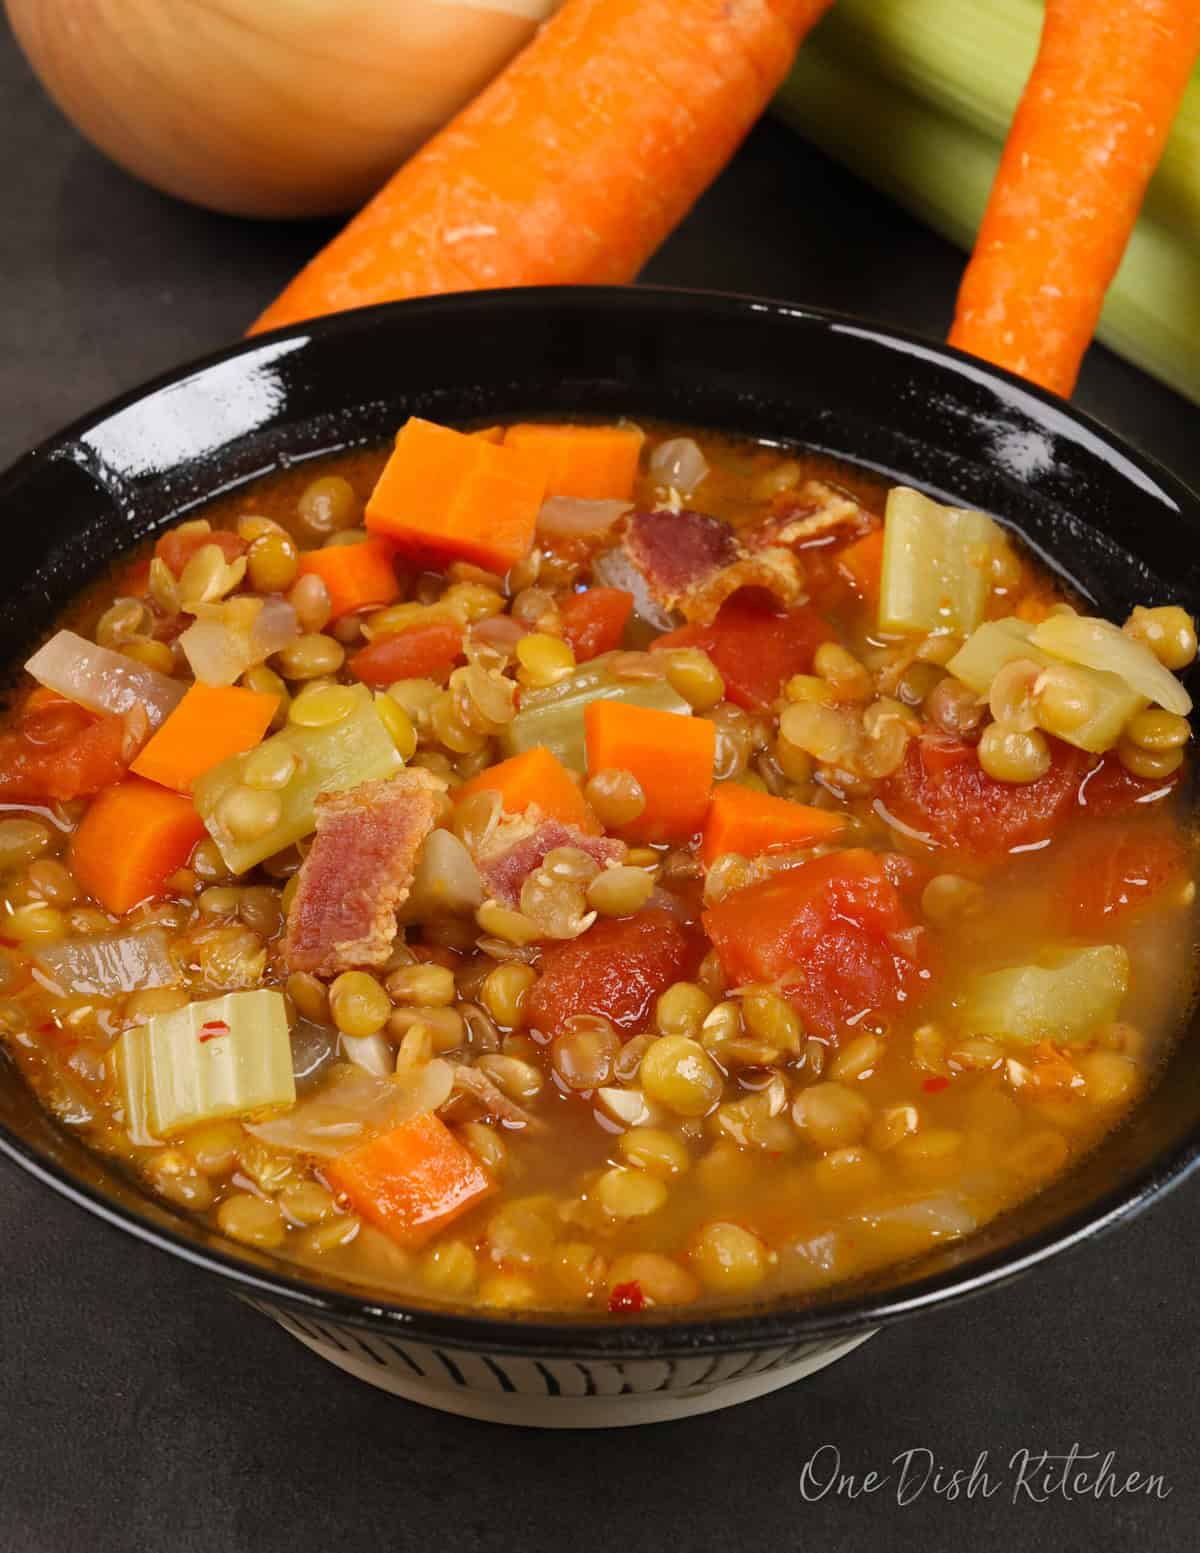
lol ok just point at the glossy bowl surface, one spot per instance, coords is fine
(1119, 526)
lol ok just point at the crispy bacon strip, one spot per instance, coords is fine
(815, 510)
(520, 842)
(692, 562)
(359, 871)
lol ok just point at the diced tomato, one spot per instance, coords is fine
(833, 931)
(943, 792)
(1109, 789)
(594, 622)
(177, 549)
(60, 751)
(756, 645)
(626, 1298)
(420, 652)
(617, 969)
(1109, 875)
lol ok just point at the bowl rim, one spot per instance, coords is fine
(654, 1334)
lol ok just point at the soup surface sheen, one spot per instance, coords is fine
(684, 936)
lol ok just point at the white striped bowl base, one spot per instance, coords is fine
(551, 1392)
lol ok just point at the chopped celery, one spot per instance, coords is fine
(1061, 1001)
(997, 642)
(229, 1056)
(554, 718)
(357, 748)
(936, 564)
(1104, 647)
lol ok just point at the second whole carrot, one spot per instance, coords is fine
(1088, 134)
(574, 164)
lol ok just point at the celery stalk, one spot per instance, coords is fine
(941, 169)
(357, 748)
(1064, 1001)
(554, 718)
(970, 59)
(997, 642)
(936, 564)
(229, 1056)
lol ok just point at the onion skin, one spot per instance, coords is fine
(270, 108)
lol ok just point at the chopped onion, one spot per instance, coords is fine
(1098, 644)
(614, 569)
(108, 963)
(220, 649)
(566, 517)
(352, 1105)
(103, 680)
(680, 463)
(313, 1048)
(446, 881)
(944, 1214)
(369, 1052)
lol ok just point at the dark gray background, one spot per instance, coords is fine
(142, 1410)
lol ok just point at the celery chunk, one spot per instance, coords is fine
(997, 642)
(1063, 1000)
(228, 1056)
(936, 565)
(357, 748)
(554, 718)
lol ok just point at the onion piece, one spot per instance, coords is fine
(313, 1048)
(499, 631)
(103, 680)
(445, 881)
(1098, 644)
(945, 1214)
(369, 1052)
(567, 517)
(220, 646)
(614, 569)
(679, 463)
(105, 964)
(352, 1105)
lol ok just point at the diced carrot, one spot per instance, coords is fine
(355, 576)
(412, 1181)
(741, 820)
(131, 840)
(449, 496)
(177, 549)
(862, 565)
(594, 621)
(671, 756)
(489, 434)
(419, 652)
(211, 723)
(535, 777)
(591, 463)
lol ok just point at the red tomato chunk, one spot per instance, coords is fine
(594, 622)
(617, 969)
(420, 652)
(1111, 875)
(60, 751)
(833, 931)
(755, 645)
(942, 792)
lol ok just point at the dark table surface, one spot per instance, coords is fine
(142, 1410)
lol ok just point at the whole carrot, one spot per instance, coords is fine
(1087, 135)
(574, 164)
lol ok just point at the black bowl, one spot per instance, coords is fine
(1122, 529)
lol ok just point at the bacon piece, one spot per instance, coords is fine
(519, 843)
(811, 513)
(491, 1099)
(692, 562)
(359, 871)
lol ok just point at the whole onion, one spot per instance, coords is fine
(267, 107)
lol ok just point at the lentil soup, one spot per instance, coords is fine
(587, 867)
